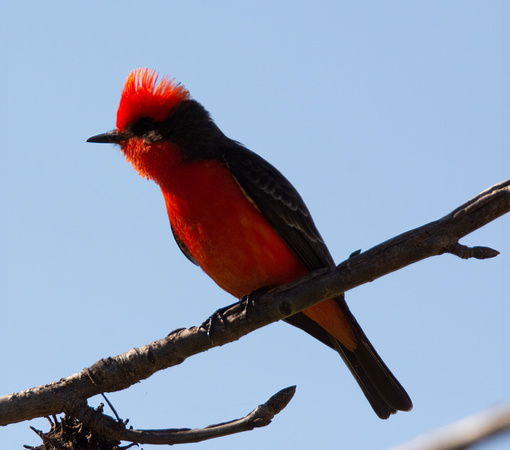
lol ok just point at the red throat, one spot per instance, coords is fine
(155, 161)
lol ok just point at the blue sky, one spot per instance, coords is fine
(384, 115)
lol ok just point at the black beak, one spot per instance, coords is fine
(111, 137)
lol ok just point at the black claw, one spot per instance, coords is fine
(217, 323)
(250, 301)
(212, 324)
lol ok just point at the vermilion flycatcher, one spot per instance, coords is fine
(238, 218)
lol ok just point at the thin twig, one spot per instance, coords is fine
(261, 416)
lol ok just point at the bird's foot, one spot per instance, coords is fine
(248, 302)
(216, 323)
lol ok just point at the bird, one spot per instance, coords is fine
(237, 217)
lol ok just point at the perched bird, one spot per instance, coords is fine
(238, 218)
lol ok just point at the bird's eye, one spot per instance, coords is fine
(142, 126)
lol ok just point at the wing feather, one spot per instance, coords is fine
(280, 203)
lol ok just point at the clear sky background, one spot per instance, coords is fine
(384, 115)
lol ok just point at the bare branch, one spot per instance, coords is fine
(86, 424)
(259, 417)
(464, 433)
(119, 372)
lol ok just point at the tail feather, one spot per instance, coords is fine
(383, 391)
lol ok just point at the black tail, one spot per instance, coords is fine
(381, 388)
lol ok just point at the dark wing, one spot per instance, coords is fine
(280, 204)
(284, 209)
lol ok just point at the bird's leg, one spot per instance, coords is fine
(216, 322)
(248, 302)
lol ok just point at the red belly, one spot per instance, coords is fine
(231, 241)
(225, 232)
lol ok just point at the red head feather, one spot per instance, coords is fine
(142, 96)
